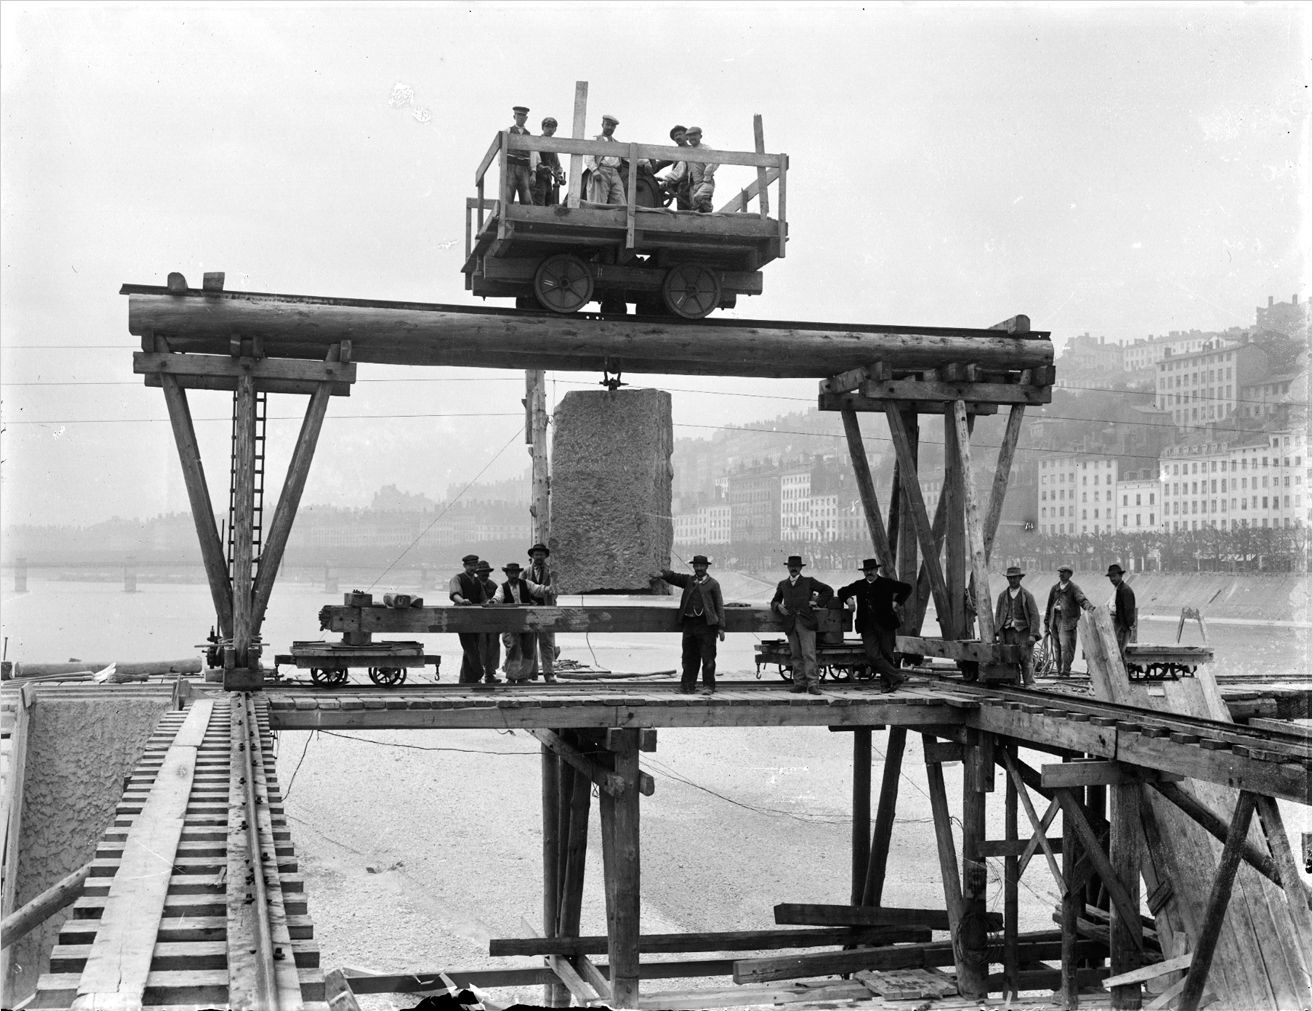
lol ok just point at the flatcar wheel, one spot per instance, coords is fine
(387, 676)
(786, 674)
(340, 676)
(321, 675)
(563, 283)
(690, 290)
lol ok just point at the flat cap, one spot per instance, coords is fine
(520, 110)
(607, 118)
(549, 121)
(468, 559)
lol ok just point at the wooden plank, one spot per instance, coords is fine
(876, 392)
(861, 827)
(763, 182)
(713, 940)
(202, 511)
(979, 553)
(572, 981)
(920, 521)
(578, 131)
(553, 991)
(630, 196)
(605, 779)
(593, 975)
(623, 891)
(1151, 971)
(1124, 856)
(741, 199)
(955, 547)
(948, 869)
(658, 152)
(881, 834)
(185, 367)
(1297, 894)
(864, 916)
(866, 487)
(119, 962)
(1098, 772)
(971, 649)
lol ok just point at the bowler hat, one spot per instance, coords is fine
(1014, 570)
(539, 547)
(512, 567)
(1065, 568)
(1114, 567)
(700, 560)
(870, 563)
(795, 560)
(483, 566)
(520, 110)
(469, 558)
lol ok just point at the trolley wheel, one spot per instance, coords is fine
(840, 673)
(321, 675)
(387, 676)
(786, 674)
(562, 283)
(690, 290)
(865, 672)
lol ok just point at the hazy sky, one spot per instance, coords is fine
(1117, 169)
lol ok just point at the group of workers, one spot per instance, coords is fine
(536, 177)
(529, 655)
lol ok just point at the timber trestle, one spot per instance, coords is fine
(193, 896)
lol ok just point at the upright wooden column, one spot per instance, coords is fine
(977, 768)
(1124, 854)
(243, 519)
(1011, 878)
(554, 994)
(620, 857)
(907, 557)
(873, 890)
(861, 811)
(1072, 906)
(955, 554)
(535, 433)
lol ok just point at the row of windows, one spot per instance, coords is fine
(1244, 464)
(1211, 506)
(1286, 523)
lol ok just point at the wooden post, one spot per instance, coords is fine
(574, 194)
(1278, 842)
(1218, 899)
(920, 521)
(535, 383)
(198, 495)
(244, 408)
(866, 487)
(861, 811)
(1124, 854)
(1007, 448)
(947, 859)
(1072, 903)
(955, 554)
(975, 537)
(1011, 878)
(873, 890)
(554, 994)
(763, 197)
(576, 855)
(976, 768)
(620, 837)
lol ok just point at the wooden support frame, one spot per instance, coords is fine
(1073, 814)
(920, 521)
(866, 487)
(609, 782)
(976, 540)
(620, 860)
(947, 850)
(861, 829)
(1124, 857)
(873, 888)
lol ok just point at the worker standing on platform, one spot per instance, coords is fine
(540, 575)
(517, 163)
(676, 183)
(702, 621)
(796, 600)
(519, 645)
(548, 176)
(877, 620)
(1017, 621)
(1124, 618)
(1061, 616)
(701, 175)
(604, 181)
(465, 589)
(489, 642)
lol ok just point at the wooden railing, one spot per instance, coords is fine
(771, 168)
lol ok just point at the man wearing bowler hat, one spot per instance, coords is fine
(1123, 608)
(540, 574)
(1017, 621)
(1061, 616)
(796, 601)
(466, 589)
(702, 620)
(519, 645)
(877, 621)
(518, 183)
(489, 642)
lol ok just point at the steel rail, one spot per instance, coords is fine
(266, 985)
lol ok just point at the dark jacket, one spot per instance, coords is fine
(1064, 606)
(1023, 609)
(797, 599)
(1123, 608)
(875, 602)
(702, 598)
(471, 588)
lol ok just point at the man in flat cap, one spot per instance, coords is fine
(702, 621)
(548, 176)
(604, 185)
(517, 162)
(676, 182)
(540, 576)
(701, 175)
(1124, 618)
(465, 589)
(877, 620)
(1017, 621)
(1062, 615)
(489, 642)
(796, 601)
(519, 645)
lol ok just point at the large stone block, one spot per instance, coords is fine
(611, 479)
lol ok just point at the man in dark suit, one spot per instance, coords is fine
(877, 621)
(1062, 615)
(1124, 618)
(796, 601)
(1017, 622)
(702, 619)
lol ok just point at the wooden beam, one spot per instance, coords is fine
(1071, 904)
(185, 367)
(1039, 827)
(955, 546)
(763, 183)
(979, 554)
(1297, 896)
(873, 889)
(1117, 889)
(1017, 394)
(401, 333)
(1011, 879)
(592, 975)
(866, 487)
(861, 830)
(1099, 772)
(978, 764)
(40, 908)
(1218, 900)
(713, 940)
(952, 649)
(576, 858)
(920, 521)
(202, 511)
(1014, 325)
(566, 973)
(1124, 855)
(578, 132)
(620, 835)
(243, 532)
(948, 869)
(1152, 971)
(554, 993)
(606, 780)
(864, 916)
(741, 199)
(998, 490)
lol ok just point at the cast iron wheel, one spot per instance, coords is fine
(321, 675)
(563, 283)
(840, 673)
(786, 674)
(690, 290)
(387, 676)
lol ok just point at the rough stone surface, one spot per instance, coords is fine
(78, 753)
(611, 480)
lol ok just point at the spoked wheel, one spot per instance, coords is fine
(387, 676)
(690, 290)
(328, 675)
(563, 283)
(840, 673)
(786, 674)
